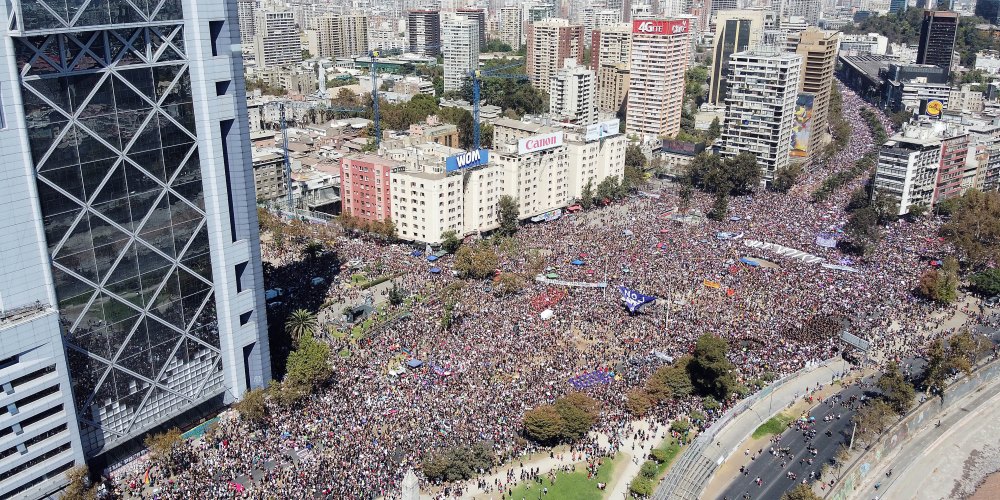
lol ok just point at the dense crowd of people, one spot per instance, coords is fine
(498, 358)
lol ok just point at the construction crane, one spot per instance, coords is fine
(373, 57)
(477, 82)
(283, 123)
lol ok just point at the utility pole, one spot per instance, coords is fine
(851, 446)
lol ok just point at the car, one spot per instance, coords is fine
(993, 301)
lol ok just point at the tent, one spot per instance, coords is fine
(547, 314)
(749, 262)
(435, 270)
(416, 253)
(577, 262)
(432, 258)
(414, 363)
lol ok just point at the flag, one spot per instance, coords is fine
(633, 299)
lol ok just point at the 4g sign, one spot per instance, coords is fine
(647, 27)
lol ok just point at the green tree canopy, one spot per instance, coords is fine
(509, 215)
(477, 261)
(309, 364)
(300, 323)
(710, 369)
(974, 227)
(896, 390)
(543, 424)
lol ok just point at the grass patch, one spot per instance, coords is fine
(344, 353)
(776, 425)
(670, 450)
(358, 278)
(570, 485)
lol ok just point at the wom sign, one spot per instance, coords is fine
(467, 160)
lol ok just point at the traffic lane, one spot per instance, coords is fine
(768, 467)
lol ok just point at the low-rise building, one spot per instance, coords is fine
(269, 176)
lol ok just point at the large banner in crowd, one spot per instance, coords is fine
(785, 251)
(633, 299)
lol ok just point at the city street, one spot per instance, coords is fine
(772, 469)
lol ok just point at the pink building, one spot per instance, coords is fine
(364, 186)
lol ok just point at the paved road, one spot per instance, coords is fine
(768, 467)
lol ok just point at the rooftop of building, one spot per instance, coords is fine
(869, 64)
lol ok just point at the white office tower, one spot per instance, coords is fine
(511, 26)
(661, 52)
(246, 16)
(130, 264)
(460, 46)
(276, 39)
(760, 106)
(573, 95)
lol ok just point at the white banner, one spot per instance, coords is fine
(539, 143)
(784, 251)
(602, 130)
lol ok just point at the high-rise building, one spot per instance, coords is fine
(339, 36)
(818, 49)
(594, 19)
(898, 6)
(989, 10)
(460, 37)
(572, 94)
(276, 39)
(937, 38)
(131, 259)
(735, 31)
(806, 9)
(246, 16)
(661, 53)
(760, 106)
(511, 26)
(550, 43)
(611, 44)
(364, 181)
(424, 30)
(612, 87)
(479, 16)
(718, 5)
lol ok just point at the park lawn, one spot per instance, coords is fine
(570, 485)
(673, 449)
(776, 425)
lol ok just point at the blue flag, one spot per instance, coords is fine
(633, 299)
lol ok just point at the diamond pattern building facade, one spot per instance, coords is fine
(131, 115)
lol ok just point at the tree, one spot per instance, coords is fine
(671, 380)
(309, 364)
(637, 402)
(938, 366)
(450, 241)
(965, 348)
(938, 285)
(633, 178)
(80, 486)
(476, 261)
(508, 284)
(543, 424)
(300, 323)
(859, 199)
(641, 487)
(720, 207)
(253, 406)
(714, 130)
(486, 133)
(744, 173)
(508, 214)
(634, 156)
(680, 425)
(872, 419)
(396, 295)
(785, 177)
(896, 391)
(862, 230)
(312, 249)
(987, 282)
(579, 412)
(710, 370)
(801, 492)
(587, 195)
(287, 393)
(162, 447)
(886, 208)
(710, 403)
(974, 227)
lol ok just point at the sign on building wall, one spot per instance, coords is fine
(802, 126)
(640, 27)
(602, 130)
(539, 143)
(681, 147)
(467, 160)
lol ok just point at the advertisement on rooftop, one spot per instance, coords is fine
(467, 160)
(602, 130)
(647, 27)
(539, 143)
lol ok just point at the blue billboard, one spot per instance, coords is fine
(467, 160)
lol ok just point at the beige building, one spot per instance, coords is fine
(966, 100)
(818, 49)
(611, 44)
(612, 87)
(339, 36)
(276, 39)
(661, 53)
(550, 43)
(511, 26)
(269, 176)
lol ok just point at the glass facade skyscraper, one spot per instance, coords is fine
(132, 116)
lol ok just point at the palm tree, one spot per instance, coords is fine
(313, 249)
(300, 323)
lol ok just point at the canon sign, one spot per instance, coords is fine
(539, 143)
(660, 27)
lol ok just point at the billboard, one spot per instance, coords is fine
(467, 160)
(539, 143)
(802, 126)
(660, 27)
(681, 147)
(602, 130)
